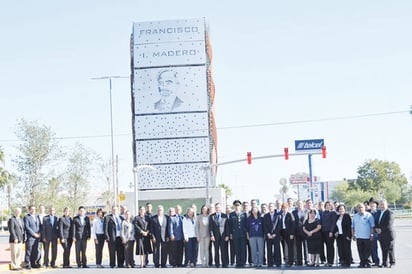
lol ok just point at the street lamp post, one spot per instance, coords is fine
(115, 187)
(136, 185)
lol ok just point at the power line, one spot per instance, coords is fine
(240, 126)
(317, 120)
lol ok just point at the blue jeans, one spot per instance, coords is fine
(191, 251)
(256, 247)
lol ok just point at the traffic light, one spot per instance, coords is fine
(249, 158)
(324, 152)
(286, 153)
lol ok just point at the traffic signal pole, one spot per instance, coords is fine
(248, 159)
(310, 176)
(263, 157)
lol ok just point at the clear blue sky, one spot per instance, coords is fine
(274, 61)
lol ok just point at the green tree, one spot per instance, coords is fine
(54, 195)
(228, 191)
(4, 175)
(37, 150)
(392, 192)
(376, 176)
(77, 175)
(284, 187)
(338, 194)
(7, 180)
(350, 197)
(104, 174)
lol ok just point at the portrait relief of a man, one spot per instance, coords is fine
(168, 87)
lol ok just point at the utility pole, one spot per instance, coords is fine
(115, 187)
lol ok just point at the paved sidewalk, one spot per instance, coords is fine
(5, 255)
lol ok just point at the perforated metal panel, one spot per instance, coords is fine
(169, 43)
(172, 125)
(171, 103)
(173, 150)
(173, 176)
(191, 89)
(169, 31)
(171, 54)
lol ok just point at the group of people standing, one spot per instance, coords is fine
(242, 234)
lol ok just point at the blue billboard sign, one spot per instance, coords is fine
(305, 145)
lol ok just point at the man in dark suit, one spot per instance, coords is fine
(237, 232)
(81, 234)
(32, 228)
(231, 246)
(66, 236)
(160, 236)
(112, 230)
(287, 232)
(386, 234)
(50, 233)
(148, 215)
(40, 246)
(16, 239)
(219, 235)
(176, 238)
(373, 209)
(300, 239)
(272, 227)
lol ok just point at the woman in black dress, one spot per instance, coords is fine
(312, 229)
(142, 235)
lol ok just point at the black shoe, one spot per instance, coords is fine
(28, 267)
(85, 266)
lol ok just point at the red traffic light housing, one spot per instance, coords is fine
(249, 158)
(324, 152)
(286, 150)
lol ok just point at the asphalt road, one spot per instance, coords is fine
(403, 253)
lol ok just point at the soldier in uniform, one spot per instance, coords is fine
(237, 233)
